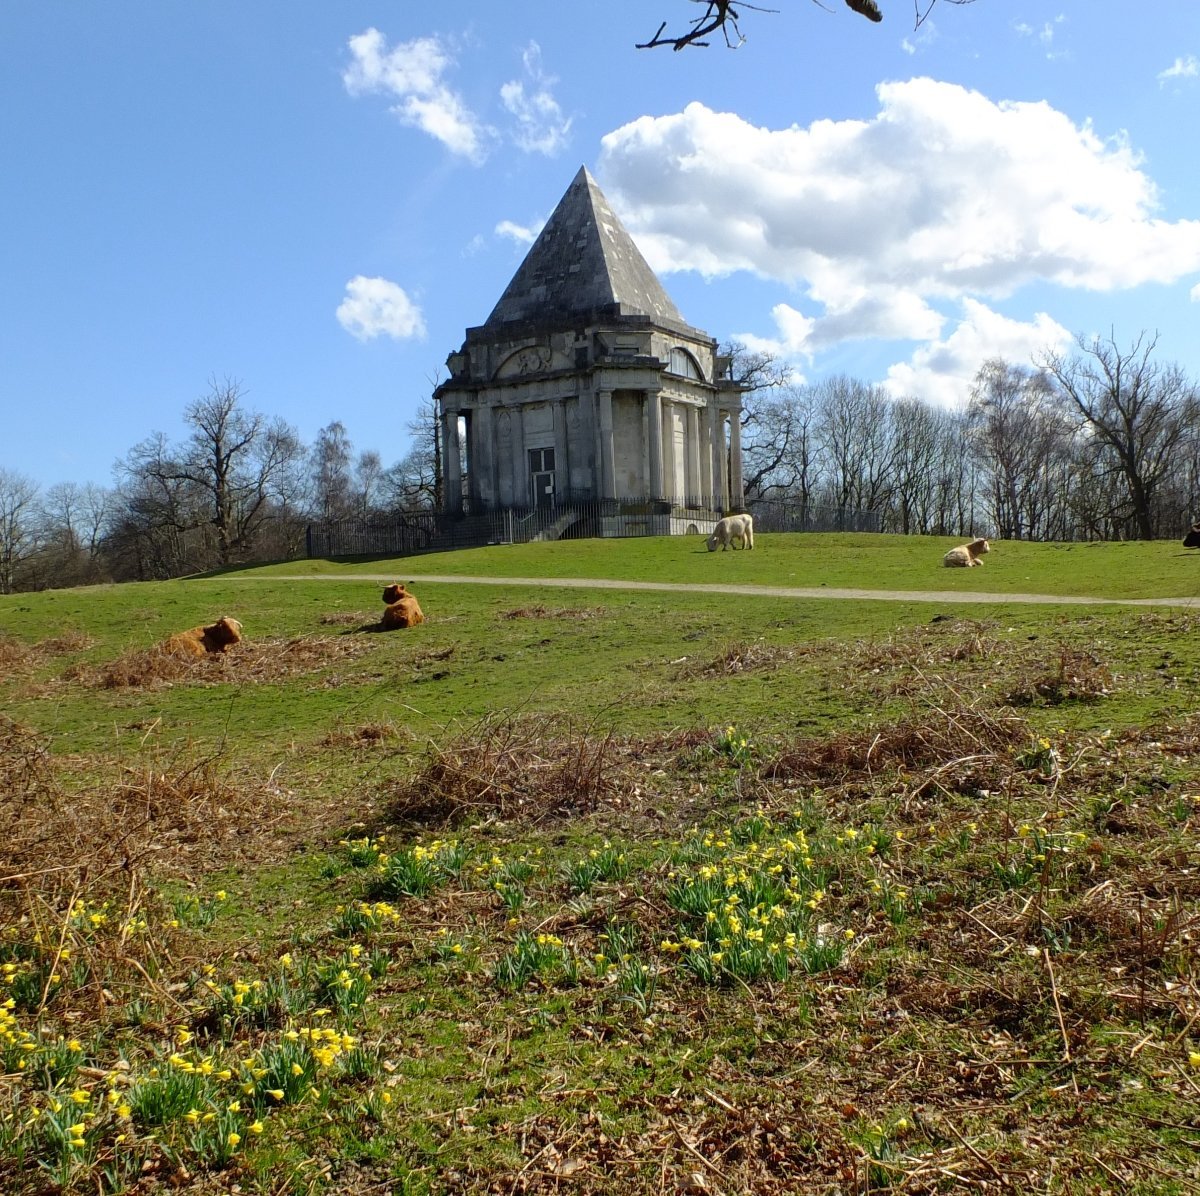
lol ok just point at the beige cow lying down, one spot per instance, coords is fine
(966, 556)
(402, 610)
(732, 527)
(200, 641)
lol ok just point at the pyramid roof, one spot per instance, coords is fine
(583, 261)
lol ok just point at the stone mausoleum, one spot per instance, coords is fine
(586, 389)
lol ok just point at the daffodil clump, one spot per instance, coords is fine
(1039, 849)
(542, 955)
(752, 901)
(364, 852)
(198, 911)
(80, 1111)
(734, 745)
(365, 918)
(507, 878)
(416, 871)
(606, 863)
(446, 947)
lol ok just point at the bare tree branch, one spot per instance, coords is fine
(722, 15)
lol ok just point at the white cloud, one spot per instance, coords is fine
(1186, 67)
(921, 39)
(376, 307)
(541, 127)
(520, 233)
(1045, 35)
(942, 372)
(944, 193)
(412, 72)
(903, 226)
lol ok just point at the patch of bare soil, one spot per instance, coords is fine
(739, 658)
(1072, 675)
(368, 735)
(541, 611)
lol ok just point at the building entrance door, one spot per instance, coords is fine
(541, 475)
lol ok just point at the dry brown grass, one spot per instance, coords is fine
(944, 641)
(931, 738)
(270, 660)
(506, 766)
(18, 658)
(175, 815)
(346, 618)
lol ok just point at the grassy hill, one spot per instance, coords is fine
(606, 890)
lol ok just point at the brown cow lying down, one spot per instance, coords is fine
(402, 610)
(732, 527)
(200, 641)
(966, 556)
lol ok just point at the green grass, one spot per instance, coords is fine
(1158, 569)
(605, 889)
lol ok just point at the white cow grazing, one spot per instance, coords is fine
(732, 527)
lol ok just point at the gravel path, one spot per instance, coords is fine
(597, 583)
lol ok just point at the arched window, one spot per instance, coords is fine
(684, 364)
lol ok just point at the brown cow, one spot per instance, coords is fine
(402, 610)
(201, 641)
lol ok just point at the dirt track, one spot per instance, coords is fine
(595, 583)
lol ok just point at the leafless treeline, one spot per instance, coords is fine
(241, 487)
(1101, 443)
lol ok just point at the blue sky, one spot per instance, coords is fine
(316, 199)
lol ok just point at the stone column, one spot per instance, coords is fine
(693, 481)
(654, 445)
(520, 467)
(608, 481)
(716, 431)
(667, 456)
(484, 456)
(451, 463)
(562, 474)
(737, 495)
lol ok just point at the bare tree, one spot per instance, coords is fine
(414, 483)
(1137, 410)
(73, 519)
(768, 421)
(223, 483)
(331, 456)
(1020, 440)
(368, 480)
(723, 16)
(156, 530)
(18, 525)
(234, 457)
(854, 432)
(779, 451)
(924, 438)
